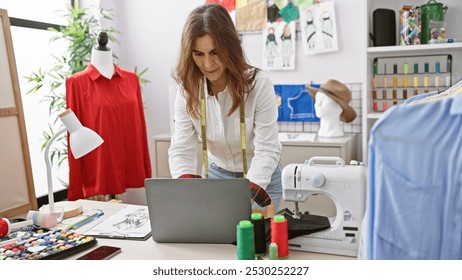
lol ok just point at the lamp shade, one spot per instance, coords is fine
(82, 140)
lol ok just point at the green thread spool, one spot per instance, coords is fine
(273, 251)
(245, 241)
(405, 79)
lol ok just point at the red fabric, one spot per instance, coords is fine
(114, 109)
(228, 4)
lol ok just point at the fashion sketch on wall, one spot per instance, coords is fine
(279, 46)
(318, 28)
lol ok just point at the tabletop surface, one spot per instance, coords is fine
(150, 250)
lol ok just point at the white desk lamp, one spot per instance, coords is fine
(82, 140)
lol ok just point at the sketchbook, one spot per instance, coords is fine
(131, 222)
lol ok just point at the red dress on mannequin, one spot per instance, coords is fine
(113, 108)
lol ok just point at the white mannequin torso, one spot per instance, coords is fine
(102, 60)
(328, 111)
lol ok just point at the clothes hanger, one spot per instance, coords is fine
(451, 92)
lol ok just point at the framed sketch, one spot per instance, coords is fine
(17, 194)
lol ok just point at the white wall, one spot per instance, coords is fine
(151, 33)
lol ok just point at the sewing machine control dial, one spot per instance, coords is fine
(318, 180)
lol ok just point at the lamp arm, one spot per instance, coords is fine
(51, 200)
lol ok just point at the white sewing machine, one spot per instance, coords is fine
(345, 185)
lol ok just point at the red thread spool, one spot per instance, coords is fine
(375, 107)
(385, 105)
(280, 235)
(4, 227)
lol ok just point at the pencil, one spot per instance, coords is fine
(85, 220)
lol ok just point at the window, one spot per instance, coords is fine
(47, 11)
(29, 20)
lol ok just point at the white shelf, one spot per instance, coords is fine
(374, 116)
(454, 49)
(414, 49)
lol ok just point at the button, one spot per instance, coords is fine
(318, 180)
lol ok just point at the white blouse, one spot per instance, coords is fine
(223, 134)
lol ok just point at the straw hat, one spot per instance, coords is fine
(340, 93)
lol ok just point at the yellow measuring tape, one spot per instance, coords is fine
(202, 89)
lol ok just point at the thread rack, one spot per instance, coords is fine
(395, 79)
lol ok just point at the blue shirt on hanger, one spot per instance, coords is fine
(414, 200)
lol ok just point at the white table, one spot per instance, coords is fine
(150, 250)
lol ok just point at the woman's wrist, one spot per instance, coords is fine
(190, 176)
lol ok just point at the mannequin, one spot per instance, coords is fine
(331, 103)
(328, 111)
(107, 99)
(101, 56)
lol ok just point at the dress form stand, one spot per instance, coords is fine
(101, 56)
(328, 111)
(101, 59)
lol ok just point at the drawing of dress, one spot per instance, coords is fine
(310, 30)
(327, 30)
(271, 47)
(286, 48)
(133, 220)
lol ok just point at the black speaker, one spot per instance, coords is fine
(383, 28)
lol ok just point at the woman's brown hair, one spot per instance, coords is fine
(214, 20)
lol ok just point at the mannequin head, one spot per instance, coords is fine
(331, 103)
(102, 41)
(326, 107)
(328, 111)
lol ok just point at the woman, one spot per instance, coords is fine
(232, 100)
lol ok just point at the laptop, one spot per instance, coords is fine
(197, 210)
